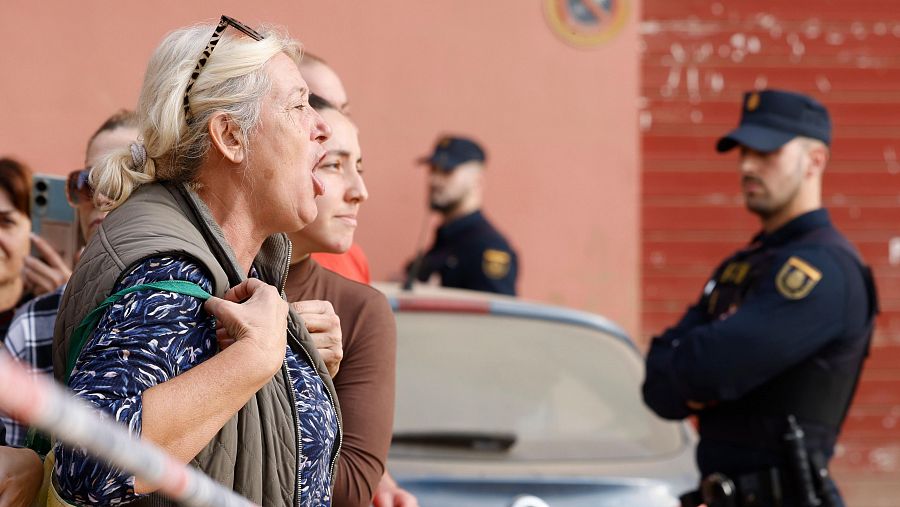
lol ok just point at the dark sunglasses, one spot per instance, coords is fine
(78, 187)
(224, 22)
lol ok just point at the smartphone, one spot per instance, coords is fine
(51, 216)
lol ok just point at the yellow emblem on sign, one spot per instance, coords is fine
(753, 102)
(495, 263)
(797, 278)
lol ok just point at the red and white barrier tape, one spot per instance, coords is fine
(40, 402)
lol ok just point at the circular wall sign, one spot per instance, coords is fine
(586, 23)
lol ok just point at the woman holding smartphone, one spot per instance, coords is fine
(30, 334)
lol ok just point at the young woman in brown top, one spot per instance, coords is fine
(367, 349)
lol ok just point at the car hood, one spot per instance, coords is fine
(634, 483)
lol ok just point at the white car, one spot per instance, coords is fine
(506, 403)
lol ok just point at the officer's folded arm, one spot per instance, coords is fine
(659, 391)
(724, 359)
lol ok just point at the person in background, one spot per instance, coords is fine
(39, 274)
(30, 334)
(20, 469)
(15, 234)
(468, 251)
(352, 263)
(769, 357)
(116, 132)
(324, 82)
(365, 381)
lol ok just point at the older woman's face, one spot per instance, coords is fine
(15, 229)
(285, 150)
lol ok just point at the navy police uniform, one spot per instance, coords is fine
(779, 333)
(468, 252)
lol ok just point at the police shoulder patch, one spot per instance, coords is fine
(495, 263)
(797, 278)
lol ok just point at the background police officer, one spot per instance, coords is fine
(468, 252)
(781, 329)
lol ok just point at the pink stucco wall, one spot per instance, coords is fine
(559, 123)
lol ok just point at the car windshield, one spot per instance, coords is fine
(494, 387)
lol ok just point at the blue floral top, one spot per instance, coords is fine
(149, 337)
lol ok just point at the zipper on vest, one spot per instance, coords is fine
(298, 436)
(287, 374)
(287, 269)
(340, 428)
(340, 440)
(340, 432)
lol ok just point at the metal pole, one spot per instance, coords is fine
(38, 401)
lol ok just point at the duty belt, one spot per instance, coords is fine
(759, 489)
(766, 488)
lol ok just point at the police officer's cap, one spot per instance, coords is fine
(451, 151)
(771, 118)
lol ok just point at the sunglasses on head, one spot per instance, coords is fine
(78, 187)
(224, 22)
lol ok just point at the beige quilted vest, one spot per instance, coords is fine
(259, 460)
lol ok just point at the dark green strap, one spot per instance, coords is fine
(39, 442)
(84, 330)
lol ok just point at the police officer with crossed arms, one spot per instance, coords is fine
(769, 357)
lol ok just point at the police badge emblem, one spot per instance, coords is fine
(495, 263)
(797, 278)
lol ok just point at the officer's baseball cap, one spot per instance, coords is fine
(451, 151)
(771, 118)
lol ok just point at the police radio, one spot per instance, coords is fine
(799, 460)
(412, 271)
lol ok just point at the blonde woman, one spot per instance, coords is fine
(227, 159)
